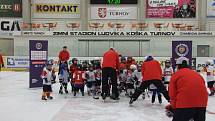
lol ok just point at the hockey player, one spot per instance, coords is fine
(73, 68)
(122, 64)
(48, 76)
(209, 69)
(152, 74)
(167, 72)
(98, 76)
(138, 79)
(78, 78)
(122, 80)
(155, 92)
(91, 79)
(1, 61)
(130, 80)
(64, 78)
(129, 62)
(122, 74)
(188, 94)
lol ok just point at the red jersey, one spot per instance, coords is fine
(73, 68)
(187, 89)
(122, 66)
(79, 77)
(64, 55)
(1, 59)
(151, 70)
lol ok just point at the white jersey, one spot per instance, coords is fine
(210, 73)
(167, 72)
(47, 75)
(90, 76)
(138, 74)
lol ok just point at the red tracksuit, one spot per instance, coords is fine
(111, 59)
(151, 70)
(187, 89)
(1, 60)
(64, 55)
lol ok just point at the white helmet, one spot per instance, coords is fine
(133, 67)
(181, 59)
(209, 62)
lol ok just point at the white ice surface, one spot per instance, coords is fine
(19, 103)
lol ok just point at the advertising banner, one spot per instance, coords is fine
(113, 1)
(38, 57)
(181, 49)
(17, 62)
(171, 9)
(113, 12)
(10, 25)
(211, 8)
(11, 8)
(56, 9)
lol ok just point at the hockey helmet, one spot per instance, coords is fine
(209, 62)
(133, 67)
(74, 60)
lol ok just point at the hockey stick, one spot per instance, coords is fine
(210, 112)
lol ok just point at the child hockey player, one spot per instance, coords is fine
(91, 79)
(155, 92)
(48, 76)
(138, 79)
(73, 68)
(167, 72)
(98, 75)
(122, 80)
(130, 80)
(122, 74)
(209, 69)
(78, 78)
(64, 78)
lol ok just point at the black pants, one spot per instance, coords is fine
(145, 84)
(106, 74)
(63, 85)
(185, 114)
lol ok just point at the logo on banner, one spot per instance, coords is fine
(10, 61)
(57, 8)
(182, 50)
(39, 46)
(8, 25)
(102, 12)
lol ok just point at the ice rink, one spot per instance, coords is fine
(19, 103)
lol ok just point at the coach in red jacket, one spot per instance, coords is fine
(110, 65)
(152, 74)
(1, 60)
(188, 93)
(64, 56)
